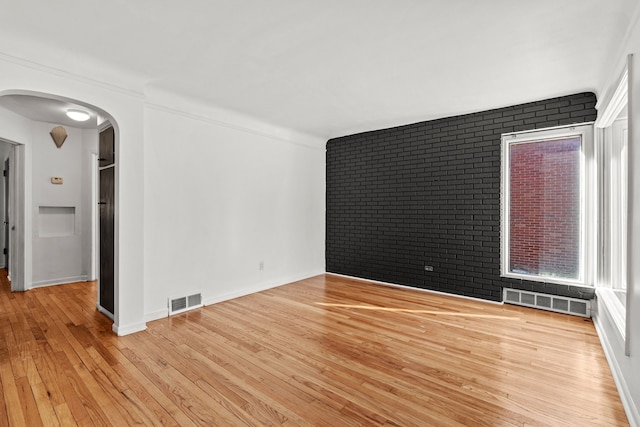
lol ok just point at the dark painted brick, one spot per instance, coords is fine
(532, 108)
(429, 194)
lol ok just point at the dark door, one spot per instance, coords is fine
(106, 148)
(107, 214)
(6, 214)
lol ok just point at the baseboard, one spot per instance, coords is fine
(161, 314)
(241, 293)
(155, 315)
(629, 405)
(128, 329)
(164, 312)
(258, 288)
(394, 285)
(59, 281)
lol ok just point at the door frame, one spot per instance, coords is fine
(96, 222)
(6, 210)
(17, 268)
(99, 169)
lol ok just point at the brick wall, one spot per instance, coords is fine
(429, 194)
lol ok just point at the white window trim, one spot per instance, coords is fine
(616, 308)
(587, 201)
(617, 215)
(606, 289)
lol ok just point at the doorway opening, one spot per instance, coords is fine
(51, 200)
(12, 232)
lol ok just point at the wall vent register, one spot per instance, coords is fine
(574, 306)
(184, 303)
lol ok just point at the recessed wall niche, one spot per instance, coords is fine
(56, 221)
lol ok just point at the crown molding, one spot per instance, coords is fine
(611, 106)
(26, 63)
(159, 100)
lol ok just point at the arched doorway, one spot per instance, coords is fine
(54, 231)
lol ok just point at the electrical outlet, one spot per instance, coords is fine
(261, 265)
(428, 268)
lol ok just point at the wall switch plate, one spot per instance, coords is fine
(56, 180)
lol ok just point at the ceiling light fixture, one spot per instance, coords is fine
(78, 115)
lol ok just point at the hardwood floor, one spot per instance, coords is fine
(326, 351)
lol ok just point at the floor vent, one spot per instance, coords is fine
(575, 306)
(181, 304)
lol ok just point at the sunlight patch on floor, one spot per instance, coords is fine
(407, 310)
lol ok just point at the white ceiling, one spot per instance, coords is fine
(330, 68)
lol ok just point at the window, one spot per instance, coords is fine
(544, 207)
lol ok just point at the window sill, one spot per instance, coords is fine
(545, 279)
(614, 307)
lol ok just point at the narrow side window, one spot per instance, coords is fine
(543, 205)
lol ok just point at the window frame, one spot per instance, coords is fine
(616, 158)
(587, 199)
(608, 281)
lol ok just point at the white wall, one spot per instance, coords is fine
(57, 258)
(626, 368)
(203, 195)
(219, 201)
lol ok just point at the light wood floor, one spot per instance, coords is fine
(326, 351)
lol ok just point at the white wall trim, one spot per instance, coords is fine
(249, 124)
(229, 119)
(59, 281)
(259, 288)
(610, 109)
(623, 390)
(614, 308)
(155, 315)
(160, 314)
(69, 75)
(243, 292)
(128, 329)
(429, 291)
